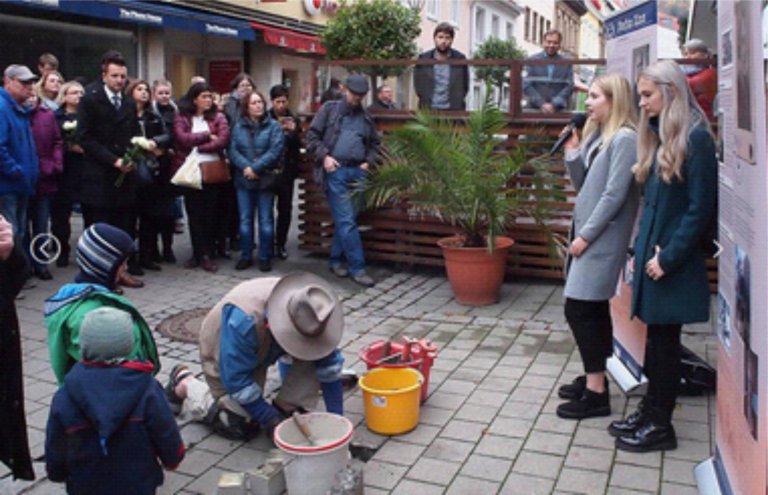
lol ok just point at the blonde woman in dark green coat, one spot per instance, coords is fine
(677, 169)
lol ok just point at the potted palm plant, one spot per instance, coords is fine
(455, 170)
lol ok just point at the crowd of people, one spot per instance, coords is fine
(72, 145)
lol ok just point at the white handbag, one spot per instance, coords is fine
(189, 174)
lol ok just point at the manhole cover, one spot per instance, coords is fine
(184, 326)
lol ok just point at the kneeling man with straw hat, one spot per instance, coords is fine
(296, 319)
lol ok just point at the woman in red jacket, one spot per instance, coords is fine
(200, 125)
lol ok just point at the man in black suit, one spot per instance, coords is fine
(106, 123)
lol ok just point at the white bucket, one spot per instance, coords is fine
(313, 468)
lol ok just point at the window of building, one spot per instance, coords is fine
(455, 11)
(527, 28)
(433, 9)
(510, 34)
(535, 28)
(495, 23)
(480, 32)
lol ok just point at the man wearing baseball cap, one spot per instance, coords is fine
(249, 329)
(19, 167)
(345, 143)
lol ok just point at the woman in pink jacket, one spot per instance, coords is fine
(200, 125)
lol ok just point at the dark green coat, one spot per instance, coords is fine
(676, 217)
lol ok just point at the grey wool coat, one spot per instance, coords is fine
(604, 215)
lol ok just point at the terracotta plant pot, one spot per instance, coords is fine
(475, 276)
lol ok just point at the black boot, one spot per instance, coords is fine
(589, 405)
(627, 426)
(650, 436)
(573, 390)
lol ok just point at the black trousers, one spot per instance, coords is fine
(591, 324)
(123, 217)
(204, 212)
(284, 196)
(61, 212)
(150, 226)
(662, 367)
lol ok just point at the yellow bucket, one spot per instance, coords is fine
(391, 399)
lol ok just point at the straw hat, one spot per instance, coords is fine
(305, 316)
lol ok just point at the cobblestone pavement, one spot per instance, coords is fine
(488, 426)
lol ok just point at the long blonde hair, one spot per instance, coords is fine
(618, 91)
(680, 114)
(65, 88)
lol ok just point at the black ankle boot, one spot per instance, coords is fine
(573, 390)
(589, 405)
(630, 424)
(650, 436)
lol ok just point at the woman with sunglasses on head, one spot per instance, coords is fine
(677, 169)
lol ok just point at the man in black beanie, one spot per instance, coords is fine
(102, 253)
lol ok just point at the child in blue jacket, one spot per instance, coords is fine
(110, 427)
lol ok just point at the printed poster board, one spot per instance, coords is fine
(740, 462)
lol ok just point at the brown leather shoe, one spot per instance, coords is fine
(127, 280)
(208, 264)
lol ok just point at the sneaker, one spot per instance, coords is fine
(363, 279)
(281, 253)
(340, 271)
(589, 405)
(178, 373)
(265, 265)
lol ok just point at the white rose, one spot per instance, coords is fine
(70, 125)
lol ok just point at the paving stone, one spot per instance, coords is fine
(647, 459)
(635, 477)
(487, 468)
(464, 430)
(457, 387)
(173, 482)
(196, 461)
(477, 413)
(675, 489)
(397, 452)
(678, 471)
(382, 474)
(518, 483)
(554, 424)
(432, 415)
(243, 459)
(530, 395)
(593, 437)
(541, 465)
(422, 435)
(486, 398)
(548, 443)
(449, 450)
(499, 446)
(511, 427)
(690, 450)
(537, 381)
(462, 485)
(445, 400)
(411, 487)
(589, 458)
(515, 409)
(581, 481)
(435, 471)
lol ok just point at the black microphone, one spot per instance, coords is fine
(577, 122)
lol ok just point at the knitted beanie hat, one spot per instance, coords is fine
(100, 251)
(106, 335)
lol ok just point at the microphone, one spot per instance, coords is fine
(577, 122)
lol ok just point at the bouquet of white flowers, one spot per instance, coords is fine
(70, 131)
(140, 146)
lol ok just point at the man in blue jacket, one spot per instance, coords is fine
(18, 157)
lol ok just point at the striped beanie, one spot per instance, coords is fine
(100, 251)
(106, 336)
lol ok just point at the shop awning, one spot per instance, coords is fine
(290, 39)
(149, 14)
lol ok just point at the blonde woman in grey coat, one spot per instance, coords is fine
(600, 166)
